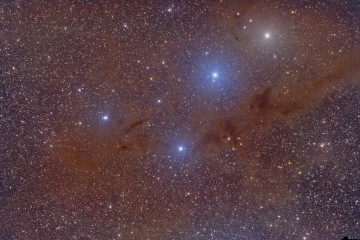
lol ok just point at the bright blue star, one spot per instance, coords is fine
(215, 75)
(181, 148)
(105, 117)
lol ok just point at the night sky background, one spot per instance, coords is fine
(179, 119)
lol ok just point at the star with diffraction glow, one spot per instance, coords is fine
(181, 148)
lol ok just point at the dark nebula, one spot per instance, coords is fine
(180, 119)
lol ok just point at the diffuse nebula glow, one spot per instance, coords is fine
(183, 120)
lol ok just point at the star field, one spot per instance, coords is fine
(180, 119)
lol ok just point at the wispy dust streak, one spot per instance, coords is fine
(259, 108)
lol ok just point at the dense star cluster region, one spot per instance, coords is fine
(180, 119)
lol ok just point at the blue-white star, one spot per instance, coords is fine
(105, 117)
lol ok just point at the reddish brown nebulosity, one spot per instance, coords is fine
(113, 126)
